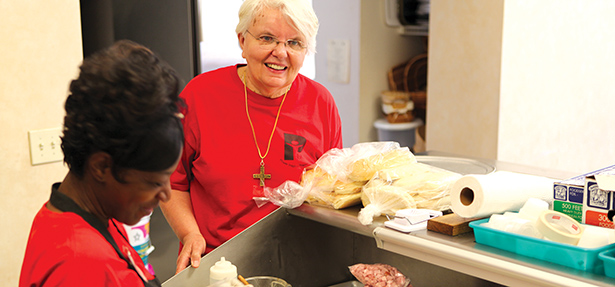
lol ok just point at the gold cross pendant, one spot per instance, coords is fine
(262, 176)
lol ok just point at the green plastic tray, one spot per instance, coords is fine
(579, 258)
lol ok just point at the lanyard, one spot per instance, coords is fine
(66, 204)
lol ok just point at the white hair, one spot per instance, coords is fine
(299, 13)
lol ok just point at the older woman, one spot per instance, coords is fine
(249, 126)
(122, 140)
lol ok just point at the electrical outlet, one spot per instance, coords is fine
(45, 146)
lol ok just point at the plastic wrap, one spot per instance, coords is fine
(330, 190)
(338, 176)
(379, 275)
(382, 175)
(367, 160)
(414, 185)
(321, 177)
(289, 194)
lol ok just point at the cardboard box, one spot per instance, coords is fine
(599, 198)
(584, 199)
(568, 196)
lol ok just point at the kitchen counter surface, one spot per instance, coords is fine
(461, 253)
(295, 244)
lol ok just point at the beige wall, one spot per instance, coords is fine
(463, 76)
(529, 82)
(39, 54)
(381, 48)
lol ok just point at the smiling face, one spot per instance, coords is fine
(138, 194)
(270, 71)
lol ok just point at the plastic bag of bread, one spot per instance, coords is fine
(360, 162)
(337, 178)
(414, 185)
(330, 190)
(291, 194)
(371, 157)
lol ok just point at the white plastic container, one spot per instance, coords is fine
(403, 133)
(222, 271)
(532, 209)
(138, 237)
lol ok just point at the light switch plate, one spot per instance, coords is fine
(338, 61)
(45, 146)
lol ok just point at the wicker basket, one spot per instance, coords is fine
(410, 76)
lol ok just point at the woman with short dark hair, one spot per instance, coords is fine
(122, 138)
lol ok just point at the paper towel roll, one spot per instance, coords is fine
(482, 195)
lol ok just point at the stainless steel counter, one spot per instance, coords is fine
(461, 253)
(305, 252)
(313, 246)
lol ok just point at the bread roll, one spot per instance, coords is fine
(388, 198)
(328, 190)
(365, 168)
(413, 185)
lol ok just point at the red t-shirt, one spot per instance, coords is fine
(64, 250)
(220, 156)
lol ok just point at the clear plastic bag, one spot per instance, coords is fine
(365, 164)
(289, 194)
(338, 176)
(414, 185)
(331, 190)
(379, 275)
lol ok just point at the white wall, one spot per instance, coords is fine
(528, 82)
(40, 51)
(557, 89)
(339, 19)
(374, 49)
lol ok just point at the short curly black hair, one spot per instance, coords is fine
(125, 103)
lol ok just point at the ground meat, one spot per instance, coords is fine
(379, 275)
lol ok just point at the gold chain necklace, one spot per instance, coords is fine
(261, 176)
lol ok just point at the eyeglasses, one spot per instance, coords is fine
(270, 42)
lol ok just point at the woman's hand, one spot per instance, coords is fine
(192, 251)
(178, 212)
